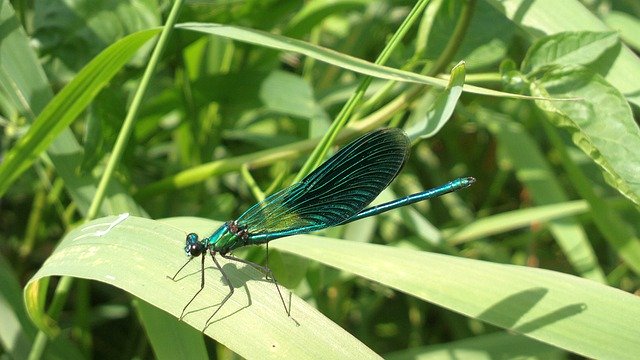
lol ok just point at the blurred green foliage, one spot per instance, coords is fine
(558, 181)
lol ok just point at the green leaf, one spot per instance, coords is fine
(567, 49)
(539, 17)
(441, 109)
(601, 123)
(499, 345)
(288, 93)
(627, 25)
(67, 105)
(329, 56)
(138, 254)
(548, 306)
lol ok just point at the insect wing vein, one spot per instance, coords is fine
(335, 191)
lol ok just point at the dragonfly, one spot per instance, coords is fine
(336, 193)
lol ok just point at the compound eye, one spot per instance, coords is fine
(193, 247)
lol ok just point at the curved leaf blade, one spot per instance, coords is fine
(537, 18)
(602, 124)
(568, 49)
(333, 57)
(442, 108)
(138, 254)
(572, 313)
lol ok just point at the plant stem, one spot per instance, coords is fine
(127, 126)
(343, 117)
(453, 44)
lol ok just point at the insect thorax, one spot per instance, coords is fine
(228, 237)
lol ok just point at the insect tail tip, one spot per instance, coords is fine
(464, 182)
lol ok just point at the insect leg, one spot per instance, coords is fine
(265, 270)
(178, 272)
(201, 285)
(226, 278)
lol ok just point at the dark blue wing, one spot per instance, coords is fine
(334, 192)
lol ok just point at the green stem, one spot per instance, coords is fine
(33, 224)
(258, 194)
(343, 117)
(453, 44)
(127, 126)
(39, 344)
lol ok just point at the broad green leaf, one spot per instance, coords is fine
(289, 94)
(545, 17)
(603, 128)
(567, 49)
(627, 25)
(548, 306)
(500, 345)
(431, 121)
(138, 254)
(602, 124)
